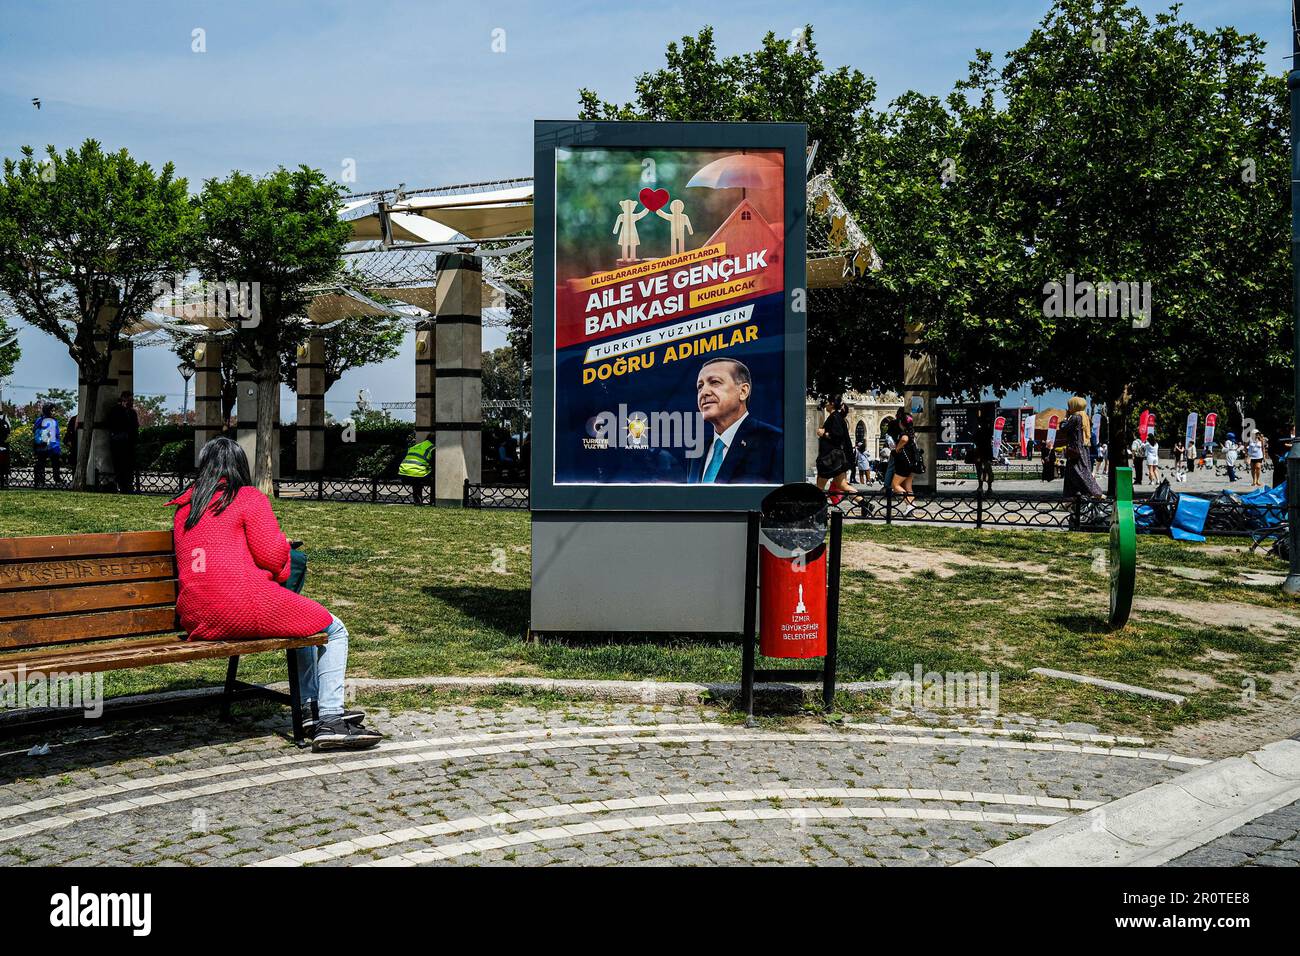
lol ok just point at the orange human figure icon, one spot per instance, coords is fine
(679, 224)
(625, 226)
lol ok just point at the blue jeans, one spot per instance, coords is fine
(320, 669)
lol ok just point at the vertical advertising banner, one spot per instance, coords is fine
(669, 317)
(673, 336)
(1190, 438)
(999, 423)
(1051, 430)
(1210, 421)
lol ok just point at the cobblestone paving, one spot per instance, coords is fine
(586, 784)
(1269, 840)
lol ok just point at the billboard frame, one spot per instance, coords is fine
(549, 135)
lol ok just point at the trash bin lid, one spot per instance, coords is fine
(796, 505)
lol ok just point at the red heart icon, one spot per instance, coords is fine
(654, 199)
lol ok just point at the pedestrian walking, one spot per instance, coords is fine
(4, 451)
(46, 446)
(908, 463)
(1230, 451)
(1137, 451)
(123, 430)
(1180, 473)
(983, 450)
(834, 449)
(865, 474)
(1151, 451)
(1073, 438)
(1255, 455)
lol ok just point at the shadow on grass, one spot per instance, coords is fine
(1091, 624)
(500, 609)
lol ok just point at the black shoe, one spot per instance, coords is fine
(335, 733)
(350, 716)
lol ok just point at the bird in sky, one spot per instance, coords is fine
(36, 101)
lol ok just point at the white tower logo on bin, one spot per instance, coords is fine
(799, 608)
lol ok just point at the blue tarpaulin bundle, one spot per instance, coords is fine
(1265, 507)
(1189, 518)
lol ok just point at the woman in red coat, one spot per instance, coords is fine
(232, 559)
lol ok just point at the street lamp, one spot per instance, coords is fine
(187, 372)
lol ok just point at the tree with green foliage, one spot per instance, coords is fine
(85, 236)
(9, 350)
(854, 333)
(281, 234)
(1116, 148)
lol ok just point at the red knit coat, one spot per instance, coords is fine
(230, 566)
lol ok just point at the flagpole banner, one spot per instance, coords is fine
(671, 348)
(1210, 421)
(1190, 438)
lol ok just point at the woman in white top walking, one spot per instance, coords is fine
(1152, 451)
(1255, 449)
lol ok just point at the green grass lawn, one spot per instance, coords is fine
(446, 591)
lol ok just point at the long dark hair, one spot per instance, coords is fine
(223, 467)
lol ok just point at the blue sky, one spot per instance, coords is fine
(413, 92)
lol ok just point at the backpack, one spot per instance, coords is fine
(45, 435)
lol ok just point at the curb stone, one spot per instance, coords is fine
(1161, 823)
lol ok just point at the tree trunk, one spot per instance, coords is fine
(86, 440)
(268, 394)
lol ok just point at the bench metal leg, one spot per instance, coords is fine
(295, 699)
(232, 668)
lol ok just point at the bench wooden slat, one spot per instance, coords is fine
(65, 572)
(99, 597)
(85, 545)
(116, 655)
(78, 628)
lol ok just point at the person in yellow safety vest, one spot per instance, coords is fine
(415, 467)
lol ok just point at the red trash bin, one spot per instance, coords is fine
(792, 573)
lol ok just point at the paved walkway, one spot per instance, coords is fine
(1269, 840)
(594, 783)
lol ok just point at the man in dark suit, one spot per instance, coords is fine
(741, 450)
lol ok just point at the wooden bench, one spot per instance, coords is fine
(72, 604)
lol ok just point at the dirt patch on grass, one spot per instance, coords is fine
(1262, 719)
(1189, 680)
(896, 562)
(1261, 620)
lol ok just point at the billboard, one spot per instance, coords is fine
(667, 347)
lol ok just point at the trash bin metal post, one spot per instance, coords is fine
(751, 604)
(832, 611)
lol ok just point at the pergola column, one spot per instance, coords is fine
(311, 406)
(246, 416)
(458, 376)
(207, 394)
(919, 382)
(424, 381)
